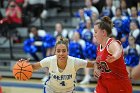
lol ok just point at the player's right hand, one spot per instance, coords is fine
(97, 73)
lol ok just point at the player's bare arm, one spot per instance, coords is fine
(96, 71)
(90, 64)
(36, 66)
(116, 50)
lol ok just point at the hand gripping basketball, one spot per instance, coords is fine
(22, 70)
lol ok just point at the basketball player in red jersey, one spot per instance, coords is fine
(110, 67)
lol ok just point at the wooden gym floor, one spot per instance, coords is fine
(10, 85)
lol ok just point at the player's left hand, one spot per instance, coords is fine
(110, 58)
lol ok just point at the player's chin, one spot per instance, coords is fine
(98, 42)
(62, 59)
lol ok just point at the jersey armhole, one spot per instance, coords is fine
(110, 43)
(107, 47)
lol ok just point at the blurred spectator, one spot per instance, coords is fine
(54, 4)
(93, 18)
(1, 17)
(76, 46)
(134, 15)
(132, 54)
(35, 43)
(125, 10)
(34, 7)
(1, 3)
(89, 9)
(49, 43)
(98, 4)
(131, 3)
(3, 25)
(134, 31)
(87, 33)
(60, 30)
(138, 9)
(20, 3)
(121, 23)
(82, 19)
(118, 20)
(14, 15)
(108, 9)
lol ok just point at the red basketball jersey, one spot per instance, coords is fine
(112, 70)
(114, 76)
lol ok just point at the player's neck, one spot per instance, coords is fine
(61, 64)
(104, 42)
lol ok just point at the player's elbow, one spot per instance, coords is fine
(135, 76)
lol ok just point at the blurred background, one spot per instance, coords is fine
(30, 28)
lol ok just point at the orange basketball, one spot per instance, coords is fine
(22, 70)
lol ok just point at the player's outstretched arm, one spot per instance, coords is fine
(90, 64)
(116, 50)
(35, 66)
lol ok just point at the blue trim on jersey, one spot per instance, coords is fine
(44, 88)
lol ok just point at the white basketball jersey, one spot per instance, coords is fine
(61, 81)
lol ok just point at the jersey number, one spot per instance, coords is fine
(104, 67)
(63, 83)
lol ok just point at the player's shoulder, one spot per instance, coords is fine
(71, 58)
(51, 57)
(112, 41)
(74, 59)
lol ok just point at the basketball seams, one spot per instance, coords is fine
(18, 65)
(20, 78)
(27, 66)
(20, 75)
(23, 70)
(25, 76)
(22, 64)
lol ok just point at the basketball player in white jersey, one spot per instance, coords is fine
(62, 69)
